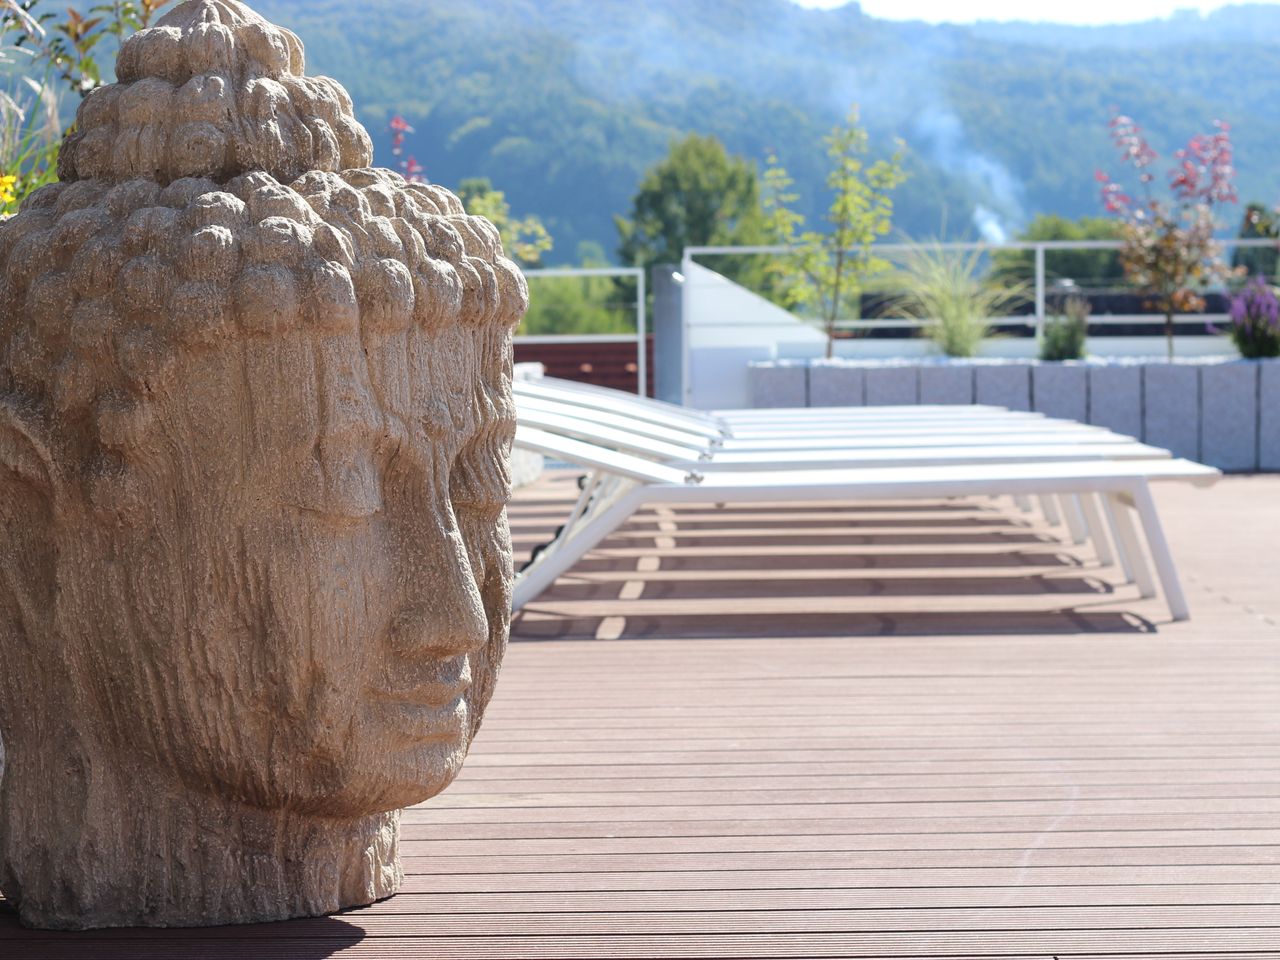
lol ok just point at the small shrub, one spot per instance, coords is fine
(947, 291)
(1064, 336)
(1255, 321)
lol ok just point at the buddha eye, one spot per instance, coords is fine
(480, 482)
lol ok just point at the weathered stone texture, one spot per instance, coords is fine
(255, 418)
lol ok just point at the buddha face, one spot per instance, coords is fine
(313, 583)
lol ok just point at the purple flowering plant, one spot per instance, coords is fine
(1255, 320)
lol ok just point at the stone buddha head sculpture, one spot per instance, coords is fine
(255, 418)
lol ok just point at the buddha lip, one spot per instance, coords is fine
(430, 696)
(415, 721)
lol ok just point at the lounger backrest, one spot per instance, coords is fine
(606, 418)
(615, 401)
(612, 438)
(591, 455)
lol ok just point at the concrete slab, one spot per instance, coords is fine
(1003, 385)
(1171, 407)
(1229, 415)
(1115, 398)
(947, 383)
(779, 383)
(836, 385)
(892, 386)
(1269, 415)
(1061, 390)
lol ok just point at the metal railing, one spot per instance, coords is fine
(642, 324)
(1041, 285)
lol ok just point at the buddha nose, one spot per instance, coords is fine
(447, 617)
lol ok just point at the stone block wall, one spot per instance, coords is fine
(1003, 385)
(1222, 413)
(893, 386)
(946, 384)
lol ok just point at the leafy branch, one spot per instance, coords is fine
(828, 270)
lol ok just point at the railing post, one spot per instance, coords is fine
(1040, 292)
(686, 388)
(642, 326)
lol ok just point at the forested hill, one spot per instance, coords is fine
(564, 103)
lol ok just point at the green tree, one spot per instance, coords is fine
(577, 305)
(698, 195)
(525, 239)
(1085, 267)
(827, 272)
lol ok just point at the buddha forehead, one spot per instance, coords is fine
(106, 287)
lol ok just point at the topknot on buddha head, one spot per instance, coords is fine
(213, 90)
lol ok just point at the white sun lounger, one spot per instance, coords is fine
(876, 436)
(800, 428)
(830, 419)
(987, 425)
(907, 448)
(621, 483)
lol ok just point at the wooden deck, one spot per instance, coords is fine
(907, 730)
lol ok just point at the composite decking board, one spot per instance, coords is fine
(799, 920)
(792, 781)
(882, 771)
(900, 898)
(936, 555)
(865, 797)
(1168, 727)
(1031, 945)
(696, 758)
(955, 826)
(1093, 781)
(411, 843)
(976, 877)
(663, 813)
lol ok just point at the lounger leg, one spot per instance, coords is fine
(571, 547)
(1075, 520)
(1097, 530)
(1160, 553)
(1050, 511)
(1023, 502)
(1129, 537)
(1121, 550)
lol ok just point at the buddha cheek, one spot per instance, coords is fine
(348, 587)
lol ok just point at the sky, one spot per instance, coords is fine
(1057, 11)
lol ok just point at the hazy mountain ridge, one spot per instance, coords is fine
(563, 103)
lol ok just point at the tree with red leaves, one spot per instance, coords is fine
(413, 171)
(1169, 247)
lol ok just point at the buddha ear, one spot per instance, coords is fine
(25, 461)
